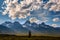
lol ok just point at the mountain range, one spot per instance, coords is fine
(36, 29)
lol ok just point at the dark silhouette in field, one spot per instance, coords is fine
(29, 33)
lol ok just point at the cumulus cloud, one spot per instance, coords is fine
(52, 5)
(44, 19)
(34, 20)
(56, 19)
(41, 15)
(54, 25)
(22, 9)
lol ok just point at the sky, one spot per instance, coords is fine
(38, 11)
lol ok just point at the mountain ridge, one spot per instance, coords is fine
(33, 27)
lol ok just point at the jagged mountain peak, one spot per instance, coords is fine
(43, 23)
(27, 22)
(7, 22)
(16, 22)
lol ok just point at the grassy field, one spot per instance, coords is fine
(13, 37)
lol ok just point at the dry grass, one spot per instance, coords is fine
(13, 37)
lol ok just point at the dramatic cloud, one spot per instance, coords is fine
(53, 5)
(54, 25)
(22, 9)
(56, 20)
(34, 20)
(35, 9)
